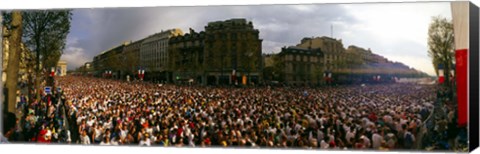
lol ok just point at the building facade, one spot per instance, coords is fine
(86, 69)
(154, 54)
(187, 61)
(111, 60)
(25, 64)
(334, 58)
(228, 52)
(300, 66)
(131, 56)
(233, 46)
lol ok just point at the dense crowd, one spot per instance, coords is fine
(36, 120)
(108, 112)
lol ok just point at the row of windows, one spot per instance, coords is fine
(332, 46)
(301, 51)
(302, 58)
(155, 44)
(295, 77)
(233, 36)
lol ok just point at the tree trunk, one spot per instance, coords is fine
(38, 71)
(14, 60)
(30, 82)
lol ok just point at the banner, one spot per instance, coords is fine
(244, 80)
(460, 19)
(461, 67)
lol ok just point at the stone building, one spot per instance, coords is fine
(300, 65)
(111, 60)
(187, 61)
(154, 54)
(86, 69)
(334, 58)
(224, 48)
(131, 56)
(354, 64)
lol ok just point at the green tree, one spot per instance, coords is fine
(45, 33)
(440, 44)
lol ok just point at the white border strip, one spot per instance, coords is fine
(35, 4)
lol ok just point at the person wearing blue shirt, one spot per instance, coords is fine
(3, 139)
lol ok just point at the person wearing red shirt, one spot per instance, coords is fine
(373, 117)
(42, 138)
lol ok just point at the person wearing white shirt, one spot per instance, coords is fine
(376, 140)
(108, 124)
(324, 145)
(90, 122)
(190, 140)
(366, 140)
(69, 138)
(350, 134)
(145, 141)
(320, 135)
(123, 132)
(106, 141)
(114, 141)
(84, 139)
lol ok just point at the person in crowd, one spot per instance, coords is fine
(106, 141)
(84, 139)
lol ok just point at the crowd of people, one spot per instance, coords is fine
(37, 120)
(110, 112)
(443, 131)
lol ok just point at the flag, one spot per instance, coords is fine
(441, 77)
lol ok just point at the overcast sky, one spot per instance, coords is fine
(397, 31)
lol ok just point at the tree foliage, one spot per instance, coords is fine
(441, 45)
(45, 32)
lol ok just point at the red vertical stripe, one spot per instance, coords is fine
(461, 57)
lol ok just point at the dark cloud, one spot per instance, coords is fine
(96, 30)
